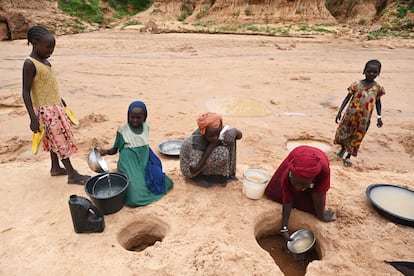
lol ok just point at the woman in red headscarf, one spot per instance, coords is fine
(209, 154)
(301, 181)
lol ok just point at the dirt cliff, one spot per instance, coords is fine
(17, 16)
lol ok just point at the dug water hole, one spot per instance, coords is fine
(323, 146)
(288, 264)
(139, 235)
(237, 106)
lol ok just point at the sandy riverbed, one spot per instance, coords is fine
(294, 85)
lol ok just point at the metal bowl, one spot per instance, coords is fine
(96, 162)
(393, 202)
(302, 241)
(170, 147)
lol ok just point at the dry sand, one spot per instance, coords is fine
(298, 84)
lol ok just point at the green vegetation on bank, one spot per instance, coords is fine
(129, 7)
(88, 11)
(395, 22)
(91, 11)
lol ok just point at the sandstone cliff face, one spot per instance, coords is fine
(16, 16)
(267, 10)
(271, 11)
(351, 11)
(243, 11)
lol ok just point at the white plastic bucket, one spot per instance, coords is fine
(254, 183)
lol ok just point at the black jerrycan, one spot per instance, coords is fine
(86, 218)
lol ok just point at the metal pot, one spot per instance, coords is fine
(107, 191)
(96, 162)
(301, 244)
(391, 208)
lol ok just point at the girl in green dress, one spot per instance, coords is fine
(147, 182)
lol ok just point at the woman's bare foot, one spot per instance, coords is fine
(58, 171)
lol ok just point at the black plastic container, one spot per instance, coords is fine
(107, 191)
(86, 218)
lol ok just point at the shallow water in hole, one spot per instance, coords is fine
(237, 106)
(276, 246)
(317, 144)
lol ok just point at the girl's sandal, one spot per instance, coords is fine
(340, 153)
(347, 163)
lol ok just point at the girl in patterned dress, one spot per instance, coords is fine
(362, 96)
(46, 107)
(208, 156)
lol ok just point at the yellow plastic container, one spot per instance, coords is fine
(37, 139)
(71, 116)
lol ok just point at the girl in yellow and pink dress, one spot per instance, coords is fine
(46, 107)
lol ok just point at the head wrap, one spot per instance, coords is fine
(138, 104)
(306, 165)
(209, 119)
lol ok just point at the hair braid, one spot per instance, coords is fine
(37, 33)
